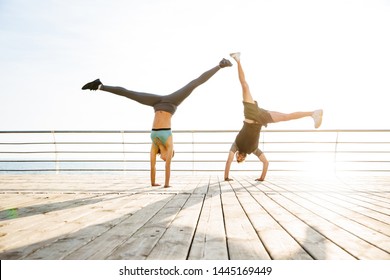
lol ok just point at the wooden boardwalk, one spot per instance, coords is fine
(289, 216)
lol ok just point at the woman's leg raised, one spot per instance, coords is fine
(141, 97)
(178, 96)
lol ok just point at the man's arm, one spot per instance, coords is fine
(265, 162)
(227, 167)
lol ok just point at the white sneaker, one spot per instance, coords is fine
(317, 117)
(236, 56)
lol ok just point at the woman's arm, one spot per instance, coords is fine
(153, 155)
(169, 147)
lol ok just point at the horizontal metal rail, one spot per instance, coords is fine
(195, 150)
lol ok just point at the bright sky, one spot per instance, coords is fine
(297, 55)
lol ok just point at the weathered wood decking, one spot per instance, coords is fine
(289, 216)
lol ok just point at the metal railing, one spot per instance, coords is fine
(199, 150)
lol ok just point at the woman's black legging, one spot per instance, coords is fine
(152, 99)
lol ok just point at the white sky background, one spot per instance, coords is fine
(297, 55)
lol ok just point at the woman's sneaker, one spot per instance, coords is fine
(317, 117)
(236, 56)
(94, 85)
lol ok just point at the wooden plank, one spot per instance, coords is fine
(215, 185)
(367, 202)
(337, 205)
(186, 183)
(349, 242)
(361, 218)
(95, 217)
(345, 225)
(371, 236)
(279, 244)
(111, 213)
(176, 241)
(203, 185)
(14, 205)
(27, 229)
(310, 238)
(143, 241)
(243, 242)
(357, 206)
(226, 187)
(77, 183)
(56, 224)
(102, 246)
(370, 198)
(210, 241)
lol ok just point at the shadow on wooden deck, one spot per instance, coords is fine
(287, 217)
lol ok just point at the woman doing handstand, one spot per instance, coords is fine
(164, 108)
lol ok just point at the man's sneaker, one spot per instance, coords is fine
(94, 85)
(225, 63)
(236, 55)
(317, 117)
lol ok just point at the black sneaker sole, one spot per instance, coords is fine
(94, 85)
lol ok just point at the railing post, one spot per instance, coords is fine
(55, 152)
(123, 151)
(193, 151)
(335, 151)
